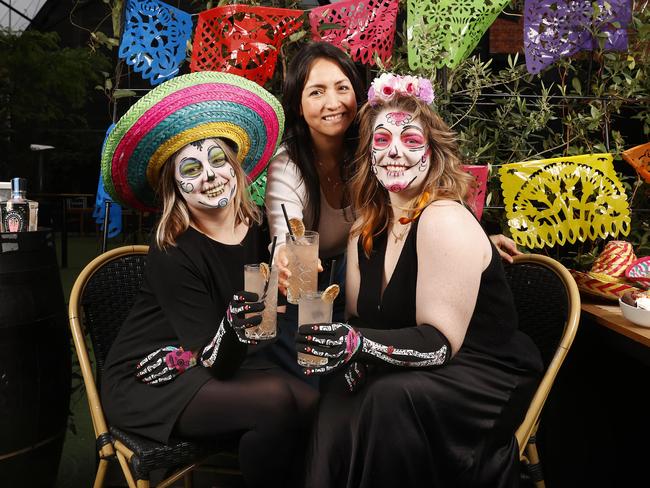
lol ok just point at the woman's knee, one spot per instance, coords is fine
(275, 400)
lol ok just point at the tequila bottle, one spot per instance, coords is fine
(18, 213)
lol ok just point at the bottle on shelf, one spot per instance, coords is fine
(18, 213)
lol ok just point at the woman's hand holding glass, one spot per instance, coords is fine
(282, 262)
(336, 341)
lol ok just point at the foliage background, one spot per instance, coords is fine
(45, 91)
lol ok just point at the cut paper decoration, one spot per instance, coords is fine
(115, 212)
(362, 28)
(476, 199)
(559, 28)
(450, 29)
(155, 39)
(242, 40)
(559, 200)
(639, 158)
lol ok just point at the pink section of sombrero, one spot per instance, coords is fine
(172, 103)
(604, 289)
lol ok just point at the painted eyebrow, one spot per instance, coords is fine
(188, 158)
(380, 126)
(407, 127)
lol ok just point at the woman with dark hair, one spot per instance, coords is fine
(181, 363)
(427, 382)
(309, 174)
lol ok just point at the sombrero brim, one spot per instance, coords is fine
(593, 284)
(183, 110)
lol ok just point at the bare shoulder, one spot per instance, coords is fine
(449, 217)
(447, 225)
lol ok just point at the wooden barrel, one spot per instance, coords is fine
(35, 360)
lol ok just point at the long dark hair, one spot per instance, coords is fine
(297, 130)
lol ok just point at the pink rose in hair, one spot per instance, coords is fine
(410, 85)
(388, 90)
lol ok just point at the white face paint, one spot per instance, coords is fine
(204, 176)
(400, 154)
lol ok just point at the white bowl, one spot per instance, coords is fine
(636, 315)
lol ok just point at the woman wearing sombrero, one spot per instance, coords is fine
(180, 364)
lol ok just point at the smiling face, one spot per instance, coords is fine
(400, 154)
(204, 175)
(328, 103)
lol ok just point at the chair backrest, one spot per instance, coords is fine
(101, 298)
(109, 295)
(548, 304)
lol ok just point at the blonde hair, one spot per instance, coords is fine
(446, 178)
(176, 217)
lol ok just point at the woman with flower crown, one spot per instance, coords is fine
(428, 380)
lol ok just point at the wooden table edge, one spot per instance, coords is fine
(609, 315)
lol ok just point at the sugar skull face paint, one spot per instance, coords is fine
(400, 154)
(204, 175)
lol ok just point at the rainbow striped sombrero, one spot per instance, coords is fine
(183, 110)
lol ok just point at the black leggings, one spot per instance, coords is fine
(273, 412)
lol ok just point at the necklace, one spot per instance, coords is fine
(330, 181)
(399, 236)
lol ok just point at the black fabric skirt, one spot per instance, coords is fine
(447, 427)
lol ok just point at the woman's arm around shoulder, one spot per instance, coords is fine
(453, 250)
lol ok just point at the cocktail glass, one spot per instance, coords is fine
(254, 281)
(303, 265)
(312, 309)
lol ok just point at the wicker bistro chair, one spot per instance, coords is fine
(548, 304)
(101, 298)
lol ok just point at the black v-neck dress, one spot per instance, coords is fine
(437, 427)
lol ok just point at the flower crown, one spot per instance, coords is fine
(384, 88)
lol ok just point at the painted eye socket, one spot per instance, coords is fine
(190, 168)
(413, 140)
(217, 157)
(380, 140)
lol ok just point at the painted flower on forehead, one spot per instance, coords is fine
(384, 88)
